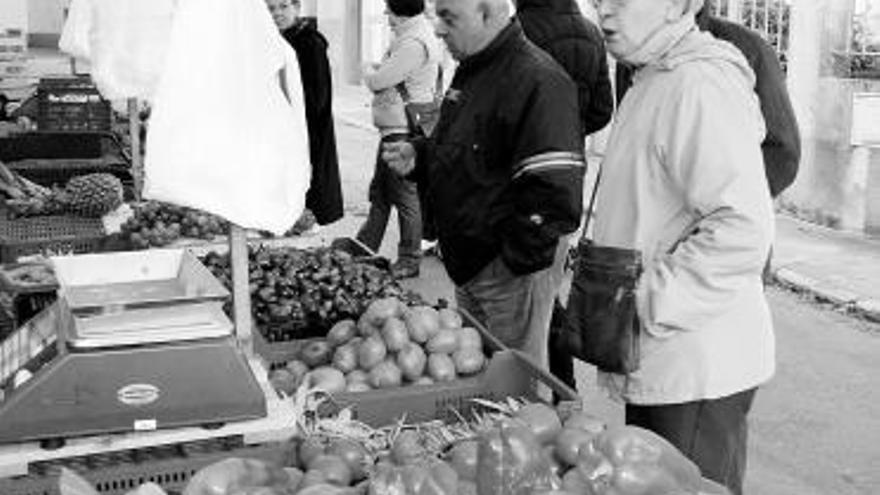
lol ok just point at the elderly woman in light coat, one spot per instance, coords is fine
(683, 182)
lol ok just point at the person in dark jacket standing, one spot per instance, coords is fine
(324, 197)
(504, 171)
(782, 144)
(559, 28)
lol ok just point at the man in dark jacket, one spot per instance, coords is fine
(324, 197)
(504, 171)
(559, 28)
(782, 144)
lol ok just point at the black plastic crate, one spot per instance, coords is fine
(126, 471)
(50, 145)
(50, 173)
(49, 235)
(24, 299)
(71, 104)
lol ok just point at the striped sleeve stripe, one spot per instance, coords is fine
(550, 160)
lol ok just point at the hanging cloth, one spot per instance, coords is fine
(124, 41)
(227, 132)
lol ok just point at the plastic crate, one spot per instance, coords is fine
(508, 373)
(71, 104)
(48, 173)
(48, 235)
(43, 145)
(120, 473)
(23, 301)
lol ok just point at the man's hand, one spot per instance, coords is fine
(400, 157)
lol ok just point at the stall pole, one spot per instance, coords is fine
(241, 296)
(137, 162)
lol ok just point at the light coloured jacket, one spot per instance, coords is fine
(413, 57)
(683, 181)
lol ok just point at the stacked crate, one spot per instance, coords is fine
(13, 52)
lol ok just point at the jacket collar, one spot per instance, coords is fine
(560, 6)
(511, 35)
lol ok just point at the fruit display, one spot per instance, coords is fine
(298, 293)
(158, 224)
(390, 345)
(89, 195)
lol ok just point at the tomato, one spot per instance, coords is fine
(354, 454)
(342, 332)
(469, 337)
(395, 334)
(316, 353)
(309, 450)
(449, 318)
(469, 361)
(371, 352)
(444, 341)
(441, 368)
(412, 360)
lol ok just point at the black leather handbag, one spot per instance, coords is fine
(601, 322)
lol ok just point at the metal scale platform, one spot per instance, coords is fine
(136, 342)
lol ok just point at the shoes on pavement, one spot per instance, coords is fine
(405, 268)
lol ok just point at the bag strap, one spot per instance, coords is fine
(588, 215)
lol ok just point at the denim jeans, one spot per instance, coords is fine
(388, 189)
(515, 308)
(713, 433)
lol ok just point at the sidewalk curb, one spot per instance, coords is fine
(863, 306)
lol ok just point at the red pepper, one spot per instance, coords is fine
(428, 478)
(510, 461)
(629, 460)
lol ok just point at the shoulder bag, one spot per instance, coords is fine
(601, 322)
(422, 117)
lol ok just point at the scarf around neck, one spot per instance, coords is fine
(660, 42)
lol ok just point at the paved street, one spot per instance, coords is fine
(815, 427)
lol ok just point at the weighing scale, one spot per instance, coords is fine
(136, 342)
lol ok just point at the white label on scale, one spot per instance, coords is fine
(138, 394)
(145, 424)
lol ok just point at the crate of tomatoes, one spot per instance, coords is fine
(425, 362)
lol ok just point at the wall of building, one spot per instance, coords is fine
(838, 183)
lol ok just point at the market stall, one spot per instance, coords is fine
(150, 346)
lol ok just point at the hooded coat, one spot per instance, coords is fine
(683, 182)
(324, 196)
(559, 28)
(782, 144)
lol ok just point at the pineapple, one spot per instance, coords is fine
(93, 195)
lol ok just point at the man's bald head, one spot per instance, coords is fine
(468, 26)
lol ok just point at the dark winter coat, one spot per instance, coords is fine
(504, 168)
(324, 197)
(559, 28)
(781, 147)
